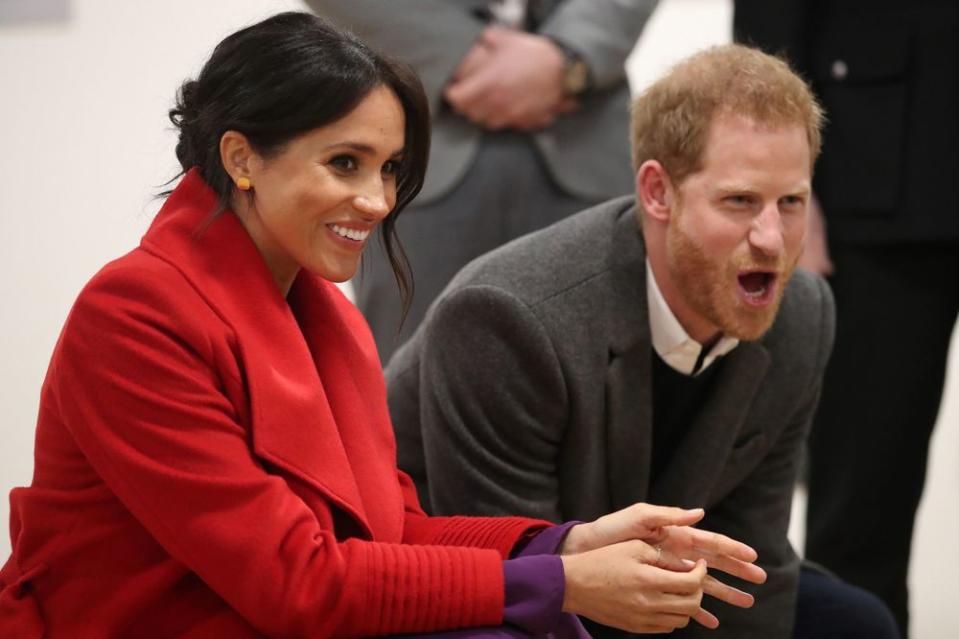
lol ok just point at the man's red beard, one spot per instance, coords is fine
(711, 287)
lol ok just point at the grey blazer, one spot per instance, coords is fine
(586, 152)
(527, 390)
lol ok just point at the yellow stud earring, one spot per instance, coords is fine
(243, 183)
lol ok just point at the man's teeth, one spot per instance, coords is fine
(757, 294)
(352, 234)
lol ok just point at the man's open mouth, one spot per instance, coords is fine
(758, 287)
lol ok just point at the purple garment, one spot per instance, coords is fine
(535, 582)
(535, 585)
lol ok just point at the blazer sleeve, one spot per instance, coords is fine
(135, 383)
(603, 32)
(757, 511)
(493, 406)
(432, 36)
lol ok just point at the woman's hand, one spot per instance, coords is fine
(634, 586)
(639, 521)
(679, 546)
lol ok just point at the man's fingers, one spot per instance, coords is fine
(651, 516)
(494, 35)
(473, 61)
(679, 583)
(707, 619)
(733, 596)
(670, 561)
(463, 94)
(722, 545)
(568, 105)
(735, 567)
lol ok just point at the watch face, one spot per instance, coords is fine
(575, 77)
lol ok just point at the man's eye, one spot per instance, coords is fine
(739, 200)
(792, 201)
(344, 162)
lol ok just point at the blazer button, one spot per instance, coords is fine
(839, 70)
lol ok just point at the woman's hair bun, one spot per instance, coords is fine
(184, 115)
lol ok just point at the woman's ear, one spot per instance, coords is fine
(654, 191)
(238, 158)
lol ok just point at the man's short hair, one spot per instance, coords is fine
(671, 119)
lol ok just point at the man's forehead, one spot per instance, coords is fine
(728, 123)
(742, 149)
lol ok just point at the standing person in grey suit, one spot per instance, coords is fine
(529, 102)
(654, 349)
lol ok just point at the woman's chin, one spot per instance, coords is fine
(337, 273)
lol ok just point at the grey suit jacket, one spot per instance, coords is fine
(586, 152)
(527, 390)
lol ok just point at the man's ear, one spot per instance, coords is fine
(237, 156)
(655, 191)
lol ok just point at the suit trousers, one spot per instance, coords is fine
(506, 193)
(896, 308)
(826, 608)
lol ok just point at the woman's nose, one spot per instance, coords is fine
(373, 201)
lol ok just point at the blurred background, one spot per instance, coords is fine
(86, 146)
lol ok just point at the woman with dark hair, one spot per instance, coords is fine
(214, 455)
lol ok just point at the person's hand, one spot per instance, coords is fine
(669, 529)
(635, 587)
(475, 59)
(510, 79)
(639, 521)
(815, 255)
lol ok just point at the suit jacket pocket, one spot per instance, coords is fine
(861, 72)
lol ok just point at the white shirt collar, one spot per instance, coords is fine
(671, 341)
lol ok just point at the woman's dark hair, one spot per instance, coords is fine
(287, 75)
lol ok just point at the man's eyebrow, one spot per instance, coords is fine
(738, 188)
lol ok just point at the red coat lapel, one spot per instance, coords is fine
(309, 414)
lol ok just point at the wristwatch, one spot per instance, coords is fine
(576, 78)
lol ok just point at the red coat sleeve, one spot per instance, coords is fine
(498, 533)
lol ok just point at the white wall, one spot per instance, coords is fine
(85, 142)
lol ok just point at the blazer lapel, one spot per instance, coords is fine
(293, 427)
(628, 440)
(701, 457)
(628, 389)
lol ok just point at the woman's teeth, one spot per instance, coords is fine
(351, 234)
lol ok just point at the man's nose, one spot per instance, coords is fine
(766, 233)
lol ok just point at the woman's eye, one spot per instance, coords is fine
(390, 167)
(344, 162)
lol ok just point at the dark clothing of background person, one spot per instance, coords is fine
(887, 73)
(484, 188)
